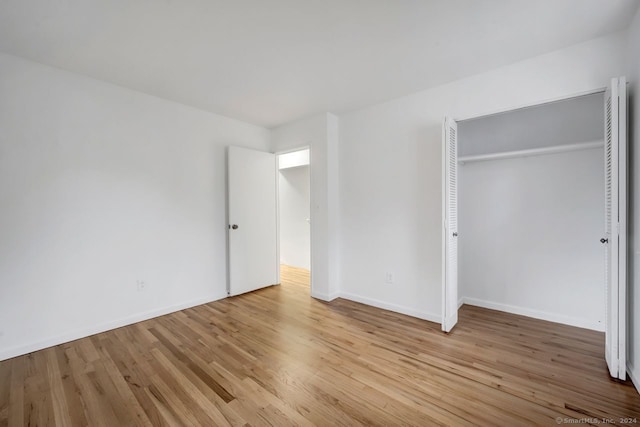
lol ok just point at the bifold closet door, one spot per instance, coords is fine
(450, 225)
(614, 240)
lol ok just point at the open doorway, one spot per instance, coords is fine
(294, 212)
(269, 219)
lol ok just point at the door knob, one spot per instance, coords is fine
(455, 234)
(603, 240)
(234, 226)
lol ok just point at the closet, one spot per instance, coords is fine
(530, 197)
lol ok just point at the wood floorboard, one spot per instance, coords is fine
(278, 357)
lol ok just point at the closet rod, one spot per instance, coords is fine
(532, 152)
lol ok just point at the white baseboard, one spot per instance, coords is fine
(103, 327)
(536, 314)
(325, 297)
(391, 307)
(635, 376)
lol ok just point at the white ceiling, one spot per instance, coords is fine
(268, 62)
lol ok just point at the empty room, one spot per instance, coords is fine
(321, 212)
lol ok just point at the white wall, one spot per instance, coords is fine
(633, 75)
(293, 192)
(320, 134)
(100, 187)
(529, 236)
(293, 159)
(390, 175)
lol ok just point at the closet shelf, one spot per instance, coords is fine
(532, 152)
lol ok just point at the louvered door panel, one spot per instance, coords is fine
(608, 238)
(615, 227)
(450, 237)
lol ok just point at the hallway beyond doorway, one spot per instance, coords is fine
(294, 276)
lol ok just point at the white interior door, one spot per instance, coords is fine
(614, 240)
(252, 220)
(450, 229)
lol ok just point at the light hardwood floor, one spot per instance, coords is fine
(278, 357)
